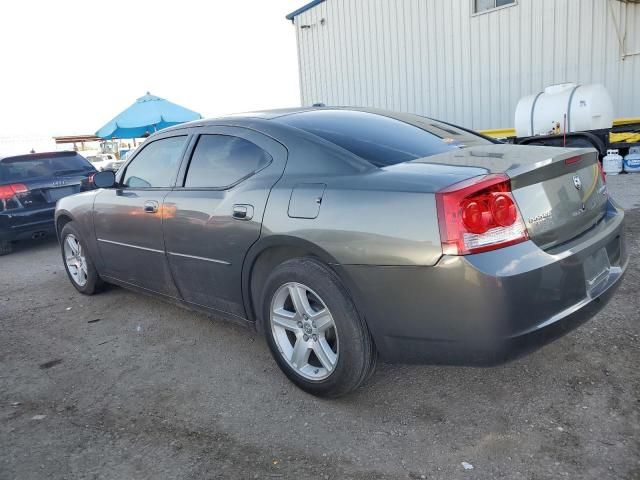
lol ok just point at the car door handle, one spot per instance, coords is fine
(243, 212)
(150, 206)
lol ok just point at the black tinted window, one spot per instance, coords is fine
(25, 167)
(220, 161)
(156, 165)
(379, 139)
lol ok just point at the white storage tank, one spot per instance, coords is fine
(587, 107)
(612, 163)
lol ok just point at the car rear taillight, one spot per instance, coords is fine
(7, 192)
(602, 174)
(478, 215)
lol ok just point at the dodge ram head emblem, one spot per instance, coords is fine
(577, 182)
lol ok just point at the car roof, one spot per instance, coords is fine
(35, 156)
(239, 118)
(234, 118)
(250, 118)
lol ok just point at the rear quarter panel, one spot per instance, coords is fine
(362, 226)
(368, 215)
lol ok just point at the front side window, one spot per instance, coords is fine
(483, 5)
(220, 161)
(156, 165)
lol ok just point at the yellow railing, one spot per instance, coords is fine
(624, 137)
(615, 137)
(499, 132)
(626, 121)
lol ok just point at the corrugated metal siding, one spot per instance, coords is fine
(436, 58)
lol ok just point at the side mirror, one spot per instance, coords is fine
(104, 179)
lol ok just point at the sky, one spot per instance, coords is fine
(68, 67)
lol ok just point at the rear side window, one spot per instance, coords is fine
(27, 167)
(379, 139)
(220, 161)
(156, 165)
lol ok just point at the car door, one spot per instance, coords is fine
(128, 218)
(214, 216)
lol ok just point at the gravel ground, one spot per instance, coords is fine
(122, 386)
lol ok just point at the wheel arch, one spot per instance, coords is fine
(264, 256)
(62, 218)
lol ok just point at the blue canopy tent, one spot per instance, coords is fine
(147, 115)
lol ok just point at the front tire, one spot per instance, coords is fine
(77, 262)
(313, 329)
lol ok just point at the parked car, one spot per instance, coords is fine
(105, 161)
(128, 154)
(345, 235)
(30, 185)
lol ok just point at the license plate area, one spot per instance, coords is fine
(596, 271)
(56, 194)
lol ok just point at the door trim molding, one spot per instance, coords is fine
(130, 246)
(194, 257)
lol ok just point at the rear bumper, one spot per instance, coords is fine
(23, 224)
(488, 308)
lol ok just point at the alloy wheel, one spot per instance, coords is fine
(304, 331)
(75, 260)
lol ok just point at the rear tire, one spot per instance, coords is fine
(77, 262)
(313, 329)
(5, 248)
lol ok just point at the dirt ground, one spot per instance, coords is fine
(122, 386)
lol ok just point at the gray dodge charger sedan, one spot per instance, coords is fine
(345, 234)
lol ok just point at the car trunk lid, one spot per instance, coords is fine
(41, 179)
(50, 190)
(559, 192)
(42, 192)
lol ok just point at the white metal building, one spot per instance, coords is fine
(465, 61)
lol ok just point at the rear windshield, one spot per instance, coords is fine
(382, 140)
(26, 167)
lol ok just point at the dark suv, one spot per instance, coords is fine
(30, 186)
